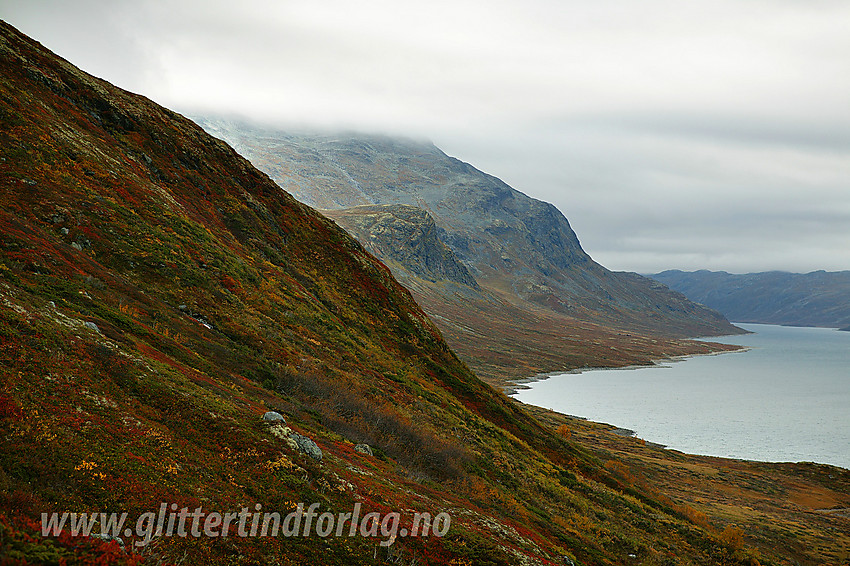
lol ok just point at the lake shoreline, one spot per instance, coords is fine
(516, 385)
(752, 407)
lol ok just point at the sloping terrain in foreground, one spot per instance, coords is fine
(158, 295)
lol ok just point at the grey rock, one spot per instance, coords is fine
(93, 326)
(307, 446)
(364, 449)
(407, 235)
(273, 417)
(110, 538)
(64, 231)
(77, 246)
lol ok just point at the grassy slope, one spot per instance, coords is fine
(215, 297)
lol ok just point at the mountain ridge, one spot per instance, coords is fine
(817, 298)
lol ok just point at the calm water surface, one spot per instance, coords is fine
(785, 400)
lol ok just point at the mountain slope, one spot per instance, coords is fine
(499, 335)
(158, 295)
(818, 298)
(509, 241)
(540, 304)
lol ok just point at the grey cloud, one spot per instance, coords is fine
(743, 129)
(708, 134)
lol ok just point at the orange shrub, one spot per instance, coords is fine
(732, 537)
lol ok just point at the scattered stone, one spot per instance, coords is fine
(64, 231)
(92, 326)
(110, 538)
(51, 304)
(307, 446)
(77, 246)
(364, 449)
(82, 241)
(296, 441)
(273, 417)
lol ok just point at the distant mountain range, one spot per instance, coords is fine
(502, 274)
(819, 298)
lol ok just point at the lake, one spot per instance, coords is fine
(787, 399)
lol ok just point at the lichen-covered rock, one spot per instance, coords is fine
(280, 431)
(307, 446)
(364, 449)
(273, 417)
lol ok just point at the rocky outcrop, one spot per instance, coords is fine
(295, 441)
(273, 417)
(307, 446)
(364, 449)
(406, 235)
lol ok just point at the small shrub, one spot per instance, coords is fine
(732, 538)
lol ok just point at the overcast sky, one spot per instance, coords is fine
(672, 134)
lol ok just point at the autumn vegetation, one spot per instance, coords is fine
(158, 295)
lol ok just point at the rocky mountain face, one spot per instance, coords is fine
(819, 298)
(407, 236)
(507, 240)
(176, 329)
(532, 276)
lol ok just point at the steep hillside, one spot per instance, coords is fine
(819, 298)
(499, 335)
(158, 295)
(509, 241)
(543, 305)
